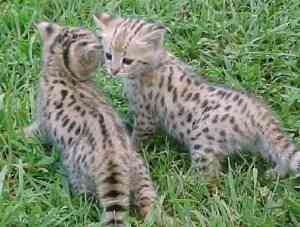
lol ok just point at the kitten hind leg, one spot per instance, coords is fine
(145, 196)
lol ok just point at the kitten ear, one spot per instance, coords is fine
(103, 20)
(47, 29)
(155, 37)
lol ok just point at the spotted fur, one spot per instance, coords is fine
(212, 121)
(96, 150)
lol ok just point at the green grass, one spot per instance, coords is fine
(252, 45)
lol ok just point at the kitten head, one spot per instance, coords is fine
(132, 46)
(78, 49)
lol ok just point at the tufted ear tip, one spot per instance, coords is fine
(161, 27)
(103, 19)
(156, 35)
(46, 29)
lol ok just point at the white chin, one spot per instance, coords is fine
(122, 75)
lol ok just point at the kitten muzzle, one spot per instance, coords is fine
(115, 71)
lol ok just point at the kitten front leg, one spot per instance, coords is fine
(206, 153)
(143, 128)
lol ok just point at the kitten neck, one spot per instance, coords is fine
(162, 59)
(159, 59)
(55, 61)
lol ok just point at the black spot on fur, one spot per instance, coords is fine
(215, 119)
(70, 140)
(189, 81)
(217, 106)
(150, 95)
(205, 130)
(236, 97)
(240, 102)
(182, 76)
(112, 179)
(181, 134)
(196, 136)
(58, 105)
(181, 111)
(58, 115)
(65, 122)
(221, 93)
(280, 137)
(224, 117)
(232, 120)
(170, 87)
(211, 89)
(77, 108)
(196, 96)
(189, 117)
(162, 101)
(64, 94)
(209, 137)
(228, 95)
(161, 82)
(147, 107)
(184, 91)
(204, 104)
(73, 101)
(83, 113)
(206, 116)
(71, 126)
(222, 133)
(189, 95)
(175, 95)
(228, 107)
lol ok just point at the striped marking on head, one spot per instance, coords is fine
(123, 31)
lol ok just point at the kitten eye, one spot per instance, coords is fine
(108, 56)
(127, 61)
(83, 43)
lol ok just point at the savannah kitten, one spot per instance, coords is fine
(212, 121)
(96, 149)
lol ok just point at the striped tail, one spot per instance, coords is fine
(113, 192)
(144, 194)
(280, 149)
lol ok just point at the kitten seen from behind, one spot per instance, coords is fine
(72, 114)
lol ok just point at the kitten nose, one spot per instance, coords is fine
(115, 71)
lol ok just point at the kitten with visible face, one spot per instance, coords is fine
(71, 113)
(212, 121)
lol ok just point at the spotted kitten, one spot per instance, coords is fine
(96, 150)
(212, 121)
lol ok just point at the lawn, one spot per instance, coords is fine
(253, 45)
